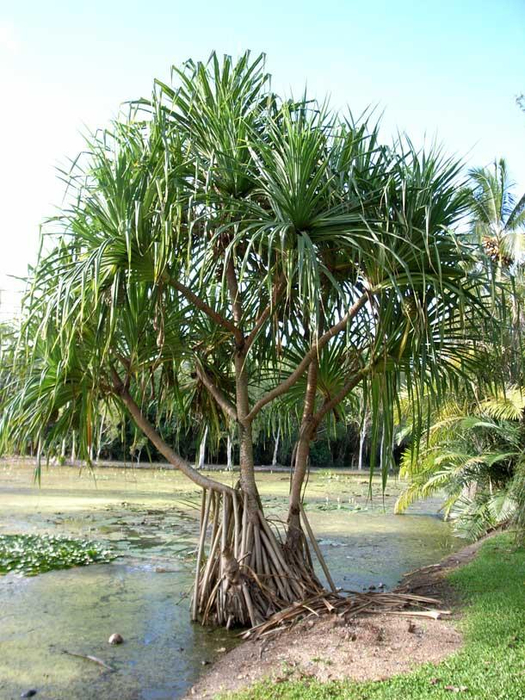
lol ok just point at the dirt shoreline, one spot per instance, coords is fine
(370, 647)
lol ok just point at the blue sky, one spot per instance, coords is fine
(448, 69)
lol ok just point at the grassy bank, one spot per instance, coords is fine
(491, 664)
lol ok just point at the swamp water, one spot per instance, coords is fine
(150, 518)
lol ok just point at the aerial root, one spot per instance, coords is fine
(245, 574)
(247, 577)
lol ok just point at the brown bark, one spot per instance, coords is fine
(247, 574)
(149, 431)
(247, 474)
(202, 305)
(310, 422)
(302, 452)
(246, 465)
(217, 394)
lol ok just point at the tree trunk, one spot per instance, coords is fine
(297, 548)
(244, 577)
(276, 447)
(100, 436)
(229, 453)
(295, 536)
(362, 438)
(244, 572)
(201, 456)
(296, 544)
(247, 574)
(247, 474)
(245, 434)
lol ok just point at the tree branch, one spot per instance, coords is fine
(277, 292)
(335, 400)
(301, 367)
(203, 306)
(217, 394)
(150, 432)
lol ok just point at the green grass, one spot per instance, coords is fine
(490, 666)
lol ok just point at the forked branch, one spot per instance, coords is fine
(203, 306)
(337, 398)
(287, 384)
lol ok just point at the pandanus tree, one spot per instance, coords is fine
(229, 243)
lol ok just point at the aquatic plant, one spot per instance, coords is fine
(36, 554)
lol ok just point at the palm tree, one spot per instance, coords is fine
(223, 249)
(498, 226)
(474, 452)
(498, 221)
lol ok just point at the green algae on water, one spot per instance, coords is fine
(35, 554)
